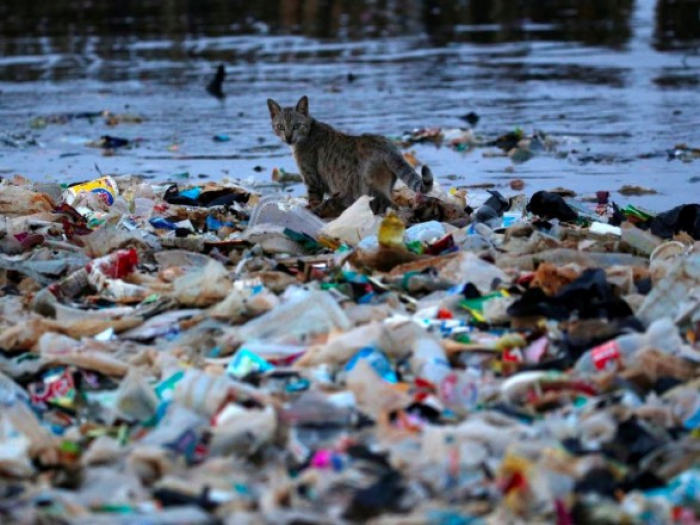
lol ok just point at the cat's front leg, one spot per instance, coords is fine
(314, 188)
(333, 206)
(315, 198)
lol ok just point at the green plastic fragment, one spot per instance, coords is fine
(70, 447)
(476, 306)
(165, 388)
(116, 508)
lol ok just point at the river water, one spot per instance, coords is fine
(614, 83)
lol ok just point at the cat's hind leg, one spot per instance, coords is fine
(381, 183)
(380, 203)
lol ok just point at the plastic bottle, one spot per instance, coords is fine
(639, 241)
(562, 256)
(662, 335)
(422, 282)
(460, 392)
(116, 265)
(428, 360)
(71, 285)
(391, 231)
(425, 232)
(104, 273)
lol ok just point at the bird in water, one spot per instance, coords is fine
(214, 88)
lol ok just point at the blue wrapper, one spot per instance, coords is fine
(379, 362)
(246, 362)
(161, 223)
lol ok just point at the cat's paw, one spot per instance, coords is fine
(380, 204)
(330, 208)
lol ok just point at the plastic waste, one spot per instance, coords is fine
(146, 369)
(562, 256)
(203, 286)
(425, 232)
(245, 362)
(19, 201)
(379, 362)
(550, 205)
(638, 241)
(104, 187)
(684, 218)
(354, 224)
(340, 348)
(136, 399)
(374, 396)
(271, 210)
(428, 360)
(201, 392)
(461, 392)
(491, 211)
(391, 231)
(599, 228)
(662, 335)
(668, 295)
(284, 324)
(466, 267)
(242, 431)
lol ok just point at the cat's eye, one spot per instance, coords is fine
(280, 127)
(297, 126)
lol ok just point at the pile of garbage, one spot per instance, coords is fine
(207, 354)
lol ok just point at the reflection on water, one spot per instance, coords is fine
(594, 22)
(82, 31)
(677, 24)
(614, 81)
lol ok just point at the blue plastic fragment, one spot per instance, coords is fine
(161, 223)
(191, 193)
(246, 362)
(379, 362)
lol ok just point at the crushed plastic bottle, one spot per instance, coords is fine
(116, 265)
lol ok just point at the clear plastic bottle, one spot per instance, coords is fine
(615, 352)
(428, 360)
(661, 335)
(639, 241)
(115, 265)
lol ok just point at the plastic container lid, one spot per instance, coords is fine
(275, 211)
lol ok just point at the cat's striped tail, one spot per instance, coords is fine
(419, 183)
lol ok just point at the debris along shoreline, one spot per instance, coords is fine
(207, 354)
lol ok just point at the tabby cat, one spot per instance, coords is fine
(344, 167)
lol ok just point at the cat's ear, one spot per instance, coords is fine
(303, 106)
(274, 107)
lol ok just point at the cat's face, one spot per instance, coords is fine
(292, 125)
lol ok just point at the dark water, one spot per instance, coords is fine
(615, 82)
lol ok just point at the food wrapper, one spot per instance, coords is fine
(57, 388)
(104, 187)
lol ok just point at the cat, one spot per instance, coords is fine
(342, 166)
